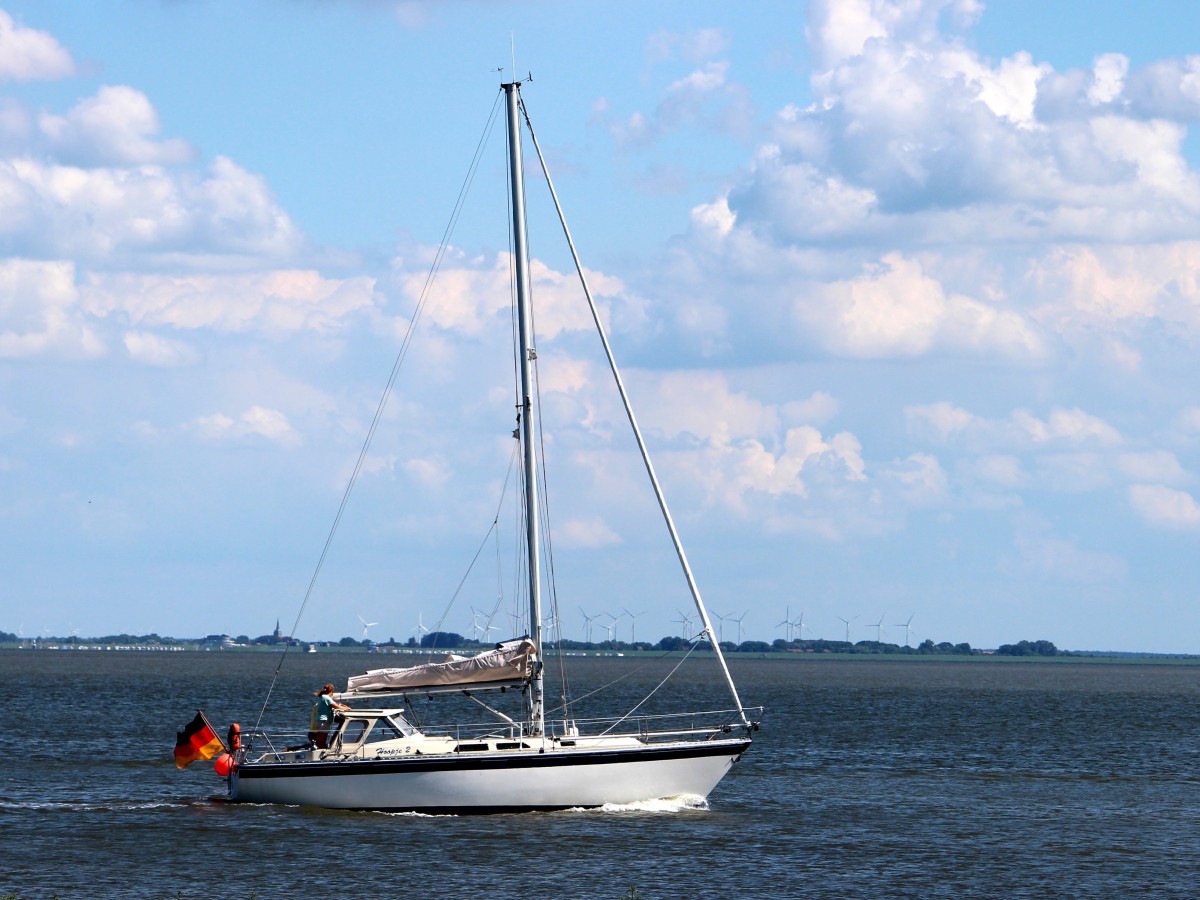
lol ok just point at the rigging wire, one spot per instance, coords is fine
(552, 581)
(401, 355)
(604, 687)
(693, 587)
(642, 702)
(544, 497)
(494, 527)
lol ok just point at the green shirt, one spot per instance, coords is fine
(323, 713)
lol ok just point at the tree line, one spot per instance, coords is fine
(449, 640)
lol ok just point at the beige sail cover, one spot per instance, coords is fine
(510, 661)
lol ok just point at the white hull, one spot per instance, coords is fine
(495, 781)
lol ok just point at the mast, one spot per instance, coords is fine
(526, 355)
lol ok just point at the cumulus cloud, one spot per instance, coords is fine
(115, 127)
(145, 212)
(841, 29)
(933, 205)
(991, 207)
(1165, 507)
(277, 302)
(729, 450)
(1108, 78)
(589, 533)
(701, 404)
(1070, 425)
(1169, 88)
(27, 54)
(703, 98)
(1119, 289)
(469, 294)
(99, 184)
(921, 478)
(733, 473)
(819, 407)
(929, 127)
(257, 422)
(40, 312)
(897, 310)
(155, 350)
(694, 46)
(942, 420)
(999, 470)
(1159, 466)
(945, 422)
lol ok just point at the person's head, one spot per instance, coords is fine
(328, 689)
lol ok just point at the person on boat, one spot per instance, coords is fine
(322, 716)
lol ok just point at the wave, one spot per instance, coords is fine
(86, 806)
(681, 803)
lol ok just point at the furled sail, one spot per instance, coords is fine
(510, 661)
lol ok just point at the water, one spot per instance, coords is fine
(869, 779)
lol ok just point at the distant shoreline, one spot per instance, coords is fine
(1071, 658)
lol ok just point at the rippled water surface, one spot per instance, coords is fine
(869, 779)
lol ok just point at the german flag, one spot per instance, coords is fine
(196, 741)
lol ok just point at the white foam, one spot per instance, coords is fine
(80, 806)
(680, 803)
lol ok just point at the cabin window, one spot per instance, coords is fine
(353, 732)
(384, 730)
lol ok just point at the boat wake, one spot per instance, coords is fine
(682, 803)
(87, 806)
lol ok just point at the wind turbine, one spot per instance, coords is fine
(366, 627)
(633, 617)
(848, 621)
(587, 627)
(800, 626)
(610, 626)
(787, 623)
(477, 630)
(420, 631)
(878, 626)
(739, 625)
(517, 619)
(721, 627)
(686, 621)
(907, 626)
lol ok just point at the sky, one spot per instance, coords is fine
(904, 292)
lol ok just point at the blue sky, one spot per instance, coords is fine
(903, 291)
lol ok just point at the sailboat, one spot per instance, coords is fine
(378, 756)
